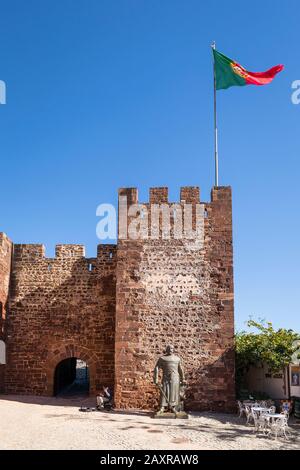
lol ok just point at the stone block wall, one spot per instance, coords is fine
(177, 291)
(5, 266)
(118, 311)
(60, 308)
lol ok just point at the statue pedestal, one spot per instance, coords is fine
(170, 415)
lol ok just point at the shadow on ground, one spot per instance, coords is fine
(226, 427)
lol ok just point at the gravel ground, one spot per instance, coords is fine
(57, 423)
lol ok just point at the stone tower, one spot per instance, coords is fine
(181, 292)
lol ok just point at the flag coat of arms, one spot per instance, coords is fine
(230, 73)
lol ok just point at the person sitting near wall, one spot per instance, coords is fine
(105, 398)
(286, 406)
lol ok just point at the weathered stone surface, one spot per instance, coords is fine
(178, 292)
(118, 311)
(60, 308)
(5, 267)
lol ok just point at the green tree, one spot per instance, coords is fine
(268, 346)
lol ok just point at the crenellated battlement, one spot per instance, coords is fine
(4, 240)
(188, 195)
(162, 219)
(69, 251)
(5, 272)
(221, 193)
(158, 195)
(28, 252)
(35, 252)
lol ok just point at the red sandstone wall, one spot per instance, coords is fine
(59, 308)
(5, 265)
(174, 291)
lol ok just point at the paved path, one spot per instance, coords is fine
(51, 423)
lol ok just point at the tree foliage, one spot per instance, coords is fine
(268, 346)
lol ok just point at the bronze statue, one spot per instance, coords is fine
(172, 384)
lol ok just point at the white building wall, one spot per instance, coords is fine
(259, 379)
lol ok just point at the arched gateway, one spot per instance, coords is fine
(61, 368)
(71, 378)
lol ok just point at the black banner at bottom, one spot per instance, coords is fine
(134, 458)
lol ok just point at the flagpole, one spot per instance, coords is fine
(215, 125)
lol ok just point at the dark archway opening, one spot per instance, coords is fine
(71, 377)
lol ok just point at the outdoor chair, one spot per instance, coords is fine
(260, 424)
(241, 409)
(248, 413)
(269, 403)
(279, 427)
(286, 413)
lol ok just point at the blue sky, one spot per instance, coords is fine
(107, 94)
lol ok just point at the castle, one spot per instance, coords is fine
(118, 311)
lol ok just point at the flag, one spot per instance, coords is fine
(229, 73)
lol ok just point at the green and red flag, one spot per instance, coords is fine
(230, 73)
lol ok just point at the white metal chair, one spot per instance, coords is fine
(279, 427)
(260, 423)
(286, 413)
(269, 403)
(255, 418)
(248, 413)
(241, 409)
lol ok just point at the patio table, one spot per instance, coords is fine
(273, 416)
(260, 409)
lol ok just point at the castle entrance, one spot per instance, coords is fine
(71, 378)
